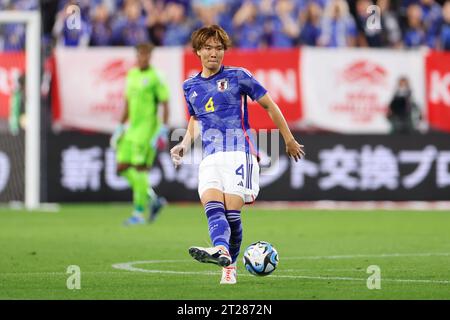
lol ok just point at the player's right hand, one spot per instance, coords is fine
(177, 153)
(116, 135)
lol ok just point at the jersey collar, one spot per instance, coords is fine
(211, 77)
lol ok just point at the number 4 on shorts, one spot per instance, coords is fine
(240, 171)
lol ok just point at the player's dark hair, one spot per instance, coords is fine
(200, 36)
(145, 46)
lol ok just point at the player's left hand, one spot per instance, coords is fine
(295, 150)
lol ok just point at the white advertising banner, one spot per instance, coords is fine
(92, 83)
(349, 90)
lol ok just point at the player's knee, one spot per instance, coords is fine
(212, 195)
(233, 202)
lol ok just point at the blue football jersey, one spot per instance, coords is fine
(219, 103)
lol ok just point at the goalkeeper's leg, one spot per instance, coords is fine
(130, 157)
(137, 180)
(156, 202)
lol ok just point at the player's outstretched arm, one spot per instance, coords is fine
(180, 149)
(293, 148)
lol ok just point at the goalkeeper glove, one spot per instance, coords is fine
(117, 135)
(161, 140)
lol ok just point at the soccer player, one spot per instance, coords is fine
(136, 142)
(229, 172)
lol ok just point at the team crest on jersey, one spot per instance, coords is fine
(145, 81)
(222, 85)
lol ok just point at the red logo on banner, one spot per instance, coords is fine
(276, 70)
(114, 70)
(360, 81)
(11, 66)
(364, 71)
(438, 90)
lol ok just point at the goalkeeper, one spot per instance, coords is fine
(140, 133)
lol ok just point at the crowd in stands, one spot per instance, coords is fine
(251, 23)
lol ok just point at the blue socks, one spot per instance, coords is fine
(219, 228)
(225, 227)
(234, 220)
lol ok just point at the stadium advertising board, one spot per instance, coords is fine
(337, 167)
(91, 85)
(438, 90)
(341, 90)
(349, 91)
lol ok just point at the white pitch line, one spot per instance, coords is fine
(128, 266)
(352, 256)
(52, 273)
(362, 279)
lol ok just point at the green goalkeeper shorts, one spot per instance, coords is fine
(138, 154)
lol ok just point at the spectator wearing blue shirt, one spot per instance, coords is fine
(207, 12)
(247, 30)
(431, 17)
(283, 28)
(310, 24)
(14, 36)
(130, 29)
(226, 14)
(415, 34)
(338, 26)
(443, 42)
(101, 28)
(178, 28)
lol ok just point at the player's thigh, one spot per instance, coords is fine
(124, 152)
(140, 154)
(210, 184)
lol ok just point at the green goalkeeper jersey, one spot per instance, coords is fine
(144, 91)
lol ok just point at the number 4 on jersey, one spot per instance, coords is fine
(209, 106)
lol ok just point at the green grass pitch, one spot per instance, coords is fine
(323, 254)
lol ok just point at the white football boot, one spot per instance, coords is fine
(229, 274)
(218, 255)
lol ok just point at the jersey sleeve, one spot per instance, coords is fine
(186, 97)
(249, 86)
